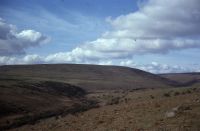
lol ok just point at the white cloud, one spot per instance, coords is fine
(159, 19)
(5, 60)
(27, 59)
(30, 59)
(14, 43)
(29, 35)
(58, 58)
(159, 26)
(128, 63)
(109, 62)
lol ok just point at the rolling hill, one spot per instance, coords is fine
(89, 77)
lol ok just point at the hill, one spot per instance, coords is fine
(89, 77)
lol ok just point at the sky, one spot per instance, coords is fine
(157, 36)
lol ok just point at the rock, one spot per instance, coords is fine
(197, 100)
(175, 109)
(173, 112)
(170, 114)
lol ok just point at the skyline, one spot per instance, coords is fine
(153, 35)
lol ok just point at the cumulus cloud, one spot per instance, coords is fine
(159, 26)
(14, 43)
(159, 19)
(27, 59)
(30, 59)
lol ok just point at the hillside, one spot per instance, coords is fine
(89, 77)
(25, 102)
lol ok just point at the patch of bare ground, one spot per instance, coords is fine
(174, 109)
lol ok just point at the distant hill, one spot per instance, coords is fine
(89, 77)
(184, 79)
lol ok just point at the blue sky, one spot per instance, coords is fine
(152, 35)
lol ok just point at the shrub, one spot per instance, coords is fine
(167, 94)
(188, 91)
(126, 100)
(152, 97)
(183, 93)
(176, 93)
(194, 89)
